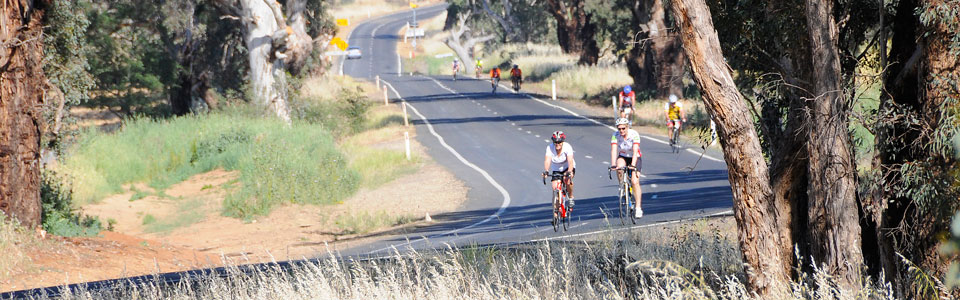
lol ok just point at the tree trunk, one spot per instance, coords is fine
(835, 238)
(299, 44)
(464, 48)
(575, 31)
(656, 60)
(21, 94)
(508, 22)
(668, 56)
(267, 77)
(754, 206)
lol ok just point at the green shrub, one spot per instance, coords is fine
(59, 217)
(278, 163)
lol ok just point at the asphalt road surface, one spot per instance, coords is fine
(495, 142)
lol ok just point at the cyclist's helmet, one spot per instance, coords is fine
(558, 137)
(627, 89)
(673, 98)
(623, 121)
(456, 59)
(516, 66)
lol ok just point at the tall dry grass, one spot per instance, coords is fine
(693, 265)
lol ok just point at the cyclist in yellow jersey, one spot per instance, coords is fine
(674, 111)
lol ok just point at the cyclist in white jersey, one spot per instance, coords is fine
(625, 151)
(559, 159)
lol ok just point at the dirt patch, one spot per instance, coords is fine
(137, 247)
(113, 255)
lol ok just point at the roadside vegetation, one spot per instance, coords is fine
(695, 260)
(300, 163)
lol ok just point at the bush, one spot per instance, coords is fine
(278, 163)
(59, 217)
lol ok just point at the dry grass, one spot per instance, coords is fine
(15, 243)
(694, 265)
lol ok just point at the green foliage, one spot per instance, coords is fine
(951, 250)
(342, 116)
(59, 217)
(277, 164)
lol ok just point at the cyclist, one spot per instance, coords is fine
(625, 151)
(516, 76)
(479, 68)
(675, 116)
(456, 67)
(559, 160)
(495, 77)
(626, 100)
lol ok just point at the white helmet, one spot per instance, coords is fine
(622, 121)
(673, 98)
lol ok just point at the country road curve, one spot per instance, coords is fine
(495, 143)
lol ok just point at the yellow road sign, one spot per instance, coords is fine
(413, 5)
(340, 43)
(343, 22)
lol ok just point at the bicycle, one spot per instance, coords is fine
(455, 71)
(516, 84)
(561, 213)
(675, 136)
(478, 69)
(494, 82)
(625, 193)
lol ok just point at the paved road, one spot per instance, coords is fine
(496, 142)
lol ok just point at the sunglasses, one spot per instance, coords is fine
(621, 128)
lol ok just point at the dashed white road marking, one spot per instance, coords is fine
(537, 135)
(519, 128)
(653, 185)
(654, 196)
(528, 132)
(546, 141)
(588, 156)
(606, 162)
(514, 124)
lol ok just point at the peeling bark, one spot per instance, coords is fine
(832, 186)
(21, 94)
(754, 206)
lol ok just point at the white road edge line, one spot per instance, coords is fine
(631, 227)
(503, 191)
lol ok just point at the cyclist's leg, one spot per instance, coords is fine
(569, 183)
(635, 182)
(621, 162)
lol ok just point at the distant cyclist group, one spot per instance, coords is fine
(516, 75)
(625, 158)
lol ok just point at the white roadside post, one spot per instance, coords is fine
(386, 100)
(613, 99)
(405, 120)
(554, 89)
(378, 81)
(406, 140)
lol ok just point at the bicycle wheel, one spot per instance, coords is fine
(676, 139)
(556, 212)
(566, 217)
(623, 204)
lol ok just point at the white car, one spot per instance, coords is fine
(353, 53)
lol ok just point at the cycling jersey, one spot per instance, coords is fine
(628, 98)
(673, 113)
(559, 161)
(516, 73)
(495, 73)
(625, 145)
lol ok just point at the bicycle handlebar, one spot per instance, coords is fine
(614, 168)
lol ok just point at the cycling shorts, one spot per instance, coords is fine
(557, 175)
(673, 122)
(629, 161)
